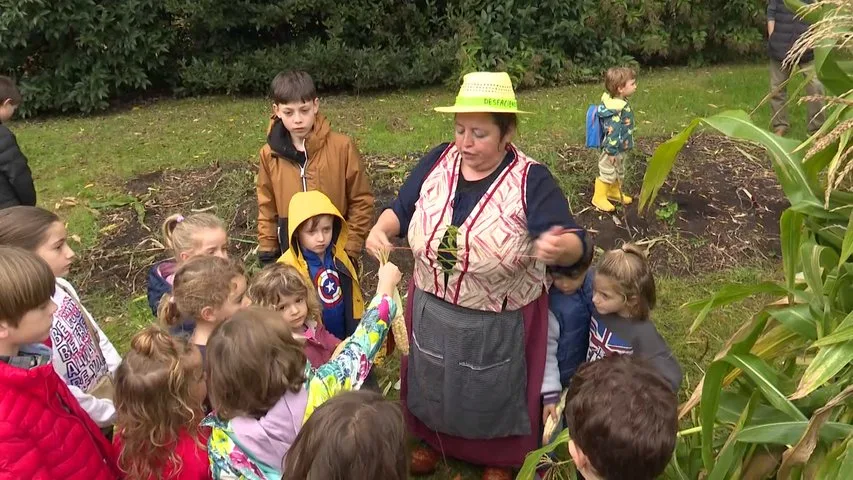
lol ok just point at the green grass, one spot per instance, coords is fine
(80, 161)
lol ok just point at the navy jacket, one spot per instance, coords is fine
(573, 313)
(787, 30)
(16, 179)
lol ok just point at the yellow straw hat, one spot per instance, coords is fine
(484, 92)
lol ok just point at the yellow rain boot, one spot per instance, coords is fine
(614, 192)
(599, 198)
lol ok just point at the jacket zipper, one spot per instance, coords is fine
(302, 168)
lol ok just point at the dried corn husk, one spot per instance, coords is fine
(551, 423)
(398, 323)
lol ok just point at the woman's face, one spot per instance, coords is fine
(479, 140)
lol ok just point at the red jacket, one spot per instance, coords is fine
(194, 462)
(44, 434)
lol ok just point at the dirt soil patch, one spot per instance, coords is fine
(719, 208)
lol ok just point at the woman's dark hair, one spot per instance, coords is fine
(354, 435)
(505, 122)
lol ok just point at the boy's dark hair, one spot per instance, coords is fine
(623, 416)
(616, 78)
(9, 91)
(356, 434)
(580, 267)
(293, 86)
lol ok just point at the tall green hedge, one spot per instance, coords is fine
(77, 55)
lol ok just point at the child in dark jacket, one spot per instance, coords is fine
(44, 433)
(571, 309)
(185, 237)
(283, 289)
(16, 180)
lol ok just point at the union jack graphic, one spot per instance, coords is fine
(604, 343)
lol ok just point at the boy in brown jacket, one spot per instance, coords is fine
(303, 153)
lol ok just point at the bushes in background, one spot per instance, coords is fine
(79, 54)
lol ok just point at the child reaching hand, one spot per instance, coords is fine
(207, 291)
(263, 390)
(624, 294)
(159, 393)
(283, 289)
(81, 353)
(185, 237)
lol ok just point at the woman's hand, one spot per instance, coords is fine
(558, 246)
(377, 242)
(389, 278)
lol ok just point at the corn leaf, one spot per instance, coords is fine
(847, 243)
(797, 319)
(826, 364)
(535, 458)
(729, 294)
(788, 433)
(791, 227)
(661, 164)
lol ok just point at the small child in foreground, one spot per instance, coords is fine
(159, 394)
(570, 312)
(617, 119)
(263, 390)
(622, 418)
(624, 294)
(354, 435)
(82, 354)
(44, 434)
(282, 288)
(16, 179)
(185, 237)
(207, 291)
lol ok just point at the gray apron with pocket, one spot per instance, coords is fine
(467, 372)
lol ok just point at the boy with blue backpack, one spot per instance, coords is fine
(610, 127)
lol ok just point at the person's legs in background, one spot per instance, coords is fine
(778, 98)
(815, 108)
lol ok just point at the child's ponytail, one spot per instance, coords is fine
(167, 311)
(178, 231)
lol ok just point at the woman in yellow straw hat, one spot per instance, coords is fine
(483, 220)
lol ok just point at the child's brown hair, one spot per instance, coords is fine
(616, 78)
(26, 283)
(279, 280)
(293, 86)
(25, 227)
(623, 417)
(629, 267)
(200, 282)
(252, 361)
(9, 91)
(312, 222)
(179, 231)
(356, 434)
(155, 401)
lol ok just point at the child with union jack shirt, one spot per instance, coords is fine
(623, 295)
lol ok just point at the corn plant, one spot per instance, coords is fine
(776, 401)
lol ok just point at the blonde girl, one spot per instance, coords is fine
(263, 390)
(185, 238)
(624, 295)
(208, 290)
(159, 393)
(282, 288)
(81, 353)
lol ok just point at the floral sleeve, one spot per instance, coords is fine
(348, 370)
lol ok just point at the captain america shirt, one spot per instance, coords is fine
(327, 282)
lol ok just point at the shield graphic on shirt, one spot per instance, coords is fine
(328, 287)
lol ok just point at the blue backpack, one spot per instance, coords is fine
(594, 132)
